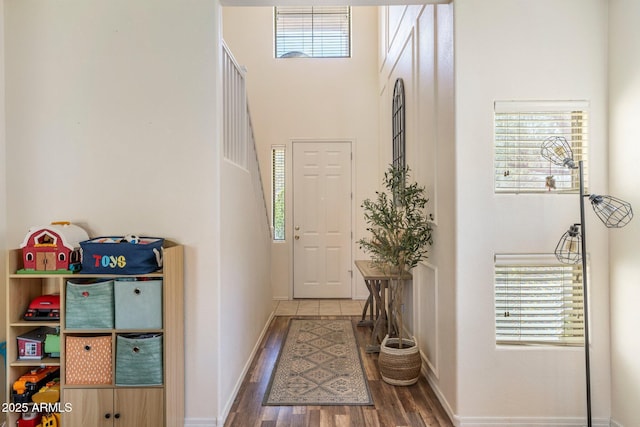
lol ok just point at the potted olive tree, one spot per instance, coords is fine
(400, 235)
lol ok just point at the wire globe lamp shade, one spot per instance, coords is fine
(569, 247)
(613, 212)
(557, 150)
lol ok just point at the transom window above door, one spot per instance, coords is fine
(312, 32)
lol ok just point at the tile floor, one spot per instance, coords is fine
(319, 307)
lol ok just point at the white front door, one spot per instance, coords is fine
(322, 220)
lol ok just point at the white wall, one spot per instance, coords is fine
(624, 158)
(111, 122)
(525, 50)
(306, 98)
(245, 280)
(3, 203)
(416, 44)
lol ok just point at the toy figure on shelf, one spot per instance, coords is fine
(50, 420)
(52, 248)
(50, 393)
(131, 238)
(29, 383)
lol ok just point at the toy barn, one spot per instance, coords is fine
(31, 344)
(52, 247)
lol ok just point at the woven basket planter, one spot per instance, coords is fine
(399, 366)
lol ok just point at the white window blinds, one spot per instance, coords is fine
(313, 31)
(277, 192)
(538, 300)
(520, 127)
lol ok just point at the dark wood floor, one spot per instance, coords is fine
(412, 406)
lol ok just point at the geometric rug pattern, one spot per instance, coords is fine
(319, 364)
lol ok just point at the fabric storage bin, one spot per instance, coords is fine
(139, 360)
(138, 304)
(109, 255)
(89, 305)
(52, 344)
(88, 360)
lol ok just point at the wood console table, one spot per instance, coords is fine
(377, 282)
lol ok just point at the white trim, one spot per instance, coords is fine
(227, 407)
(527, 422)
(524, 259)
(441, 397)
(432, 364)
(539, 106)
(200, 422)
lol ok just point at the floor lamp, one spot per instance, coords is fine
(572, 247)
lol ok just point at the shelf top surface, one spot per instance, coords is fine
(71, 275)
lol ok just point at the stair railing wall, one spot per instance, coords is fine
(239, 145)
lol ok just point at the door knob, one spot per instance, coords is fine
(297, 227)
(296, 237)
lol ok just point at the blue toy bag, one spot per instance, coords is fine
(115, 255)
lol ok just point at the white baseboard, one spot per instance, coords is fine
(527, 422)
(443, 401)
(227, 407)
(200, 422)
(459, 421)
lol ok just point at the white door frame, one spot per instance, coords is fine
(290, 224)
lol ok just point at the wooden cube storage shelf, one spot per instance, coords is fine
(106, 407)
(109, 404)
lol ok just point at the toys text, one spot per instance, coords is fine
(110, 261)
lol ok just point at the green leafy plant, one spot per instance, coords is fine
(398, 223)
(400, 230)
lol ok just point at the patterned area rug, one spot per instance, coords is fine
(319, 364)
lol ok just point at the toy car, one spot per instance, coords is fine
(31, 382)
(44, 307)
(29, 419)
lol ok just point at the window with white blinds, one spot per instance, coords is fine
(277, 192)
(520, 127)
(538, 300)
(313, 31)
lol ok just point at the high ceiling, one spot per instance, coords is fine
(327, 2)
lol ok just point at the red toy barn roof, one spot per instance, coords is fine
(60, 234)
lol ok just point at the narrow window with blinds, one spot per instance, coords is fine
(277, 192)
(520, 127)
(313, 32)
(538, 301)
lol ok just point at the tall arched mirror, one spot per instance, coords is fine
(398, 124)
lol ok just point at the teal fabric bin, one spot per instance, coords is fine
(89, 305)
(138, 304)
(139, 360)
